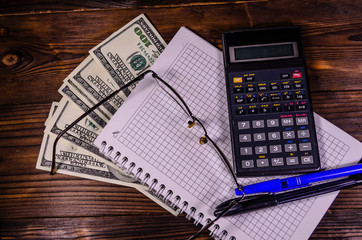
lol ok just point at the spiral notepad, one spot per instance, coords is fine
(148, 137)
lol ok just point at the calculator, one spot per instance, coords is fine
(270, 112)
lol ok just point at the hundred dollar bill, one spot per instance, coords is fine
(73, 93)
(77, 162)
(129, 51)
(82, 101)
(89, 79)
(83, 133)
(73, 160)
(70, 151)
(76, 154)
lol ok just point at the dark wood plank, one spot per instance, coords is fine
(344, 109)
(37, 6)
(115, 227)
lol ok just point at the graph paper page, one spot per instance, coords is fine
(150, 129)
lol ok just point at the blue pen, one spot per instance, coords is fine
(278, 185)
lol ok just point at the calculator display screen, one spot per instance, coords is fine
(263, 52)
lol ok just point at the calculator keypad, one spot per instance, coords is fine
(273, 125)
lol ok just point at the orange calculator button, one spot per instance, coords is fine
(238, 79)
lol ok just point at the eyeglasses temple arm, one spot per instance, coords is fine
(227, 163)
(176, 93)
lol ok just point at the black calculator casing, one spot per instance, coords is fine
(270, 112)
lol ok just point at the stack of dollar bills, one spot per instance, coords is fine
(114, 62)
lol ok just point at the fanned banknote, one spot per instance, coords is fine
(125, 63)
(75, 161)
(96, 83)
(131, 50)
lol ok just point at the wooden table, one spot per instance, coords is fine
(40, 44)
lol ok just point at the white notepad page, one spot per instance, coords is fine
(150, 129)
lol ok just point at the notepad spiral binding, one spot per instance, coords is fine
(159, 190)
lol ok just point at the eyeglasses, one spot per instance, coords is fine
(193, 120)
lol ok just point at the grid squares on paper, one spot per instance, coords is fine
(177, 154)
(331, 150)
(197, 168)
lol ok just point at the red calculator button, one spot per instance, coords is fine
(297, 75)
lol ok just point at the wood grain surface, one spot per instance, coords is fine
(41, 42)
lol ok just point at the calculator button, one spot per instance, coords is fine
(305, 146)
(272, 122)
(239, 100)
(306, 159)
(259, 137)
(262, 88)
(240, 111)
(246, 151)
(303, 134)
(262, 162)
(274, 87)
(263, 99)
(299, 96)
(237, 79)
(238, 90)
(292, 160)
(252, 110)
(288, 135)
(251, 99)
(302, 120)
(264, 110)
(286, 86)
(277, 109)
(258, 123)
(301, 107)
(298, 85)
(284, 75)
(290, 147)
(261, 150)
(275, 148)
(244, 138)
(297, 75)
(288, 108)
(249, 78)
(274, 135)
(275, 98)
(243, 125)
(287, 122)
(250, 89)
(247, 163)
(277, 162)
(287, 97)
